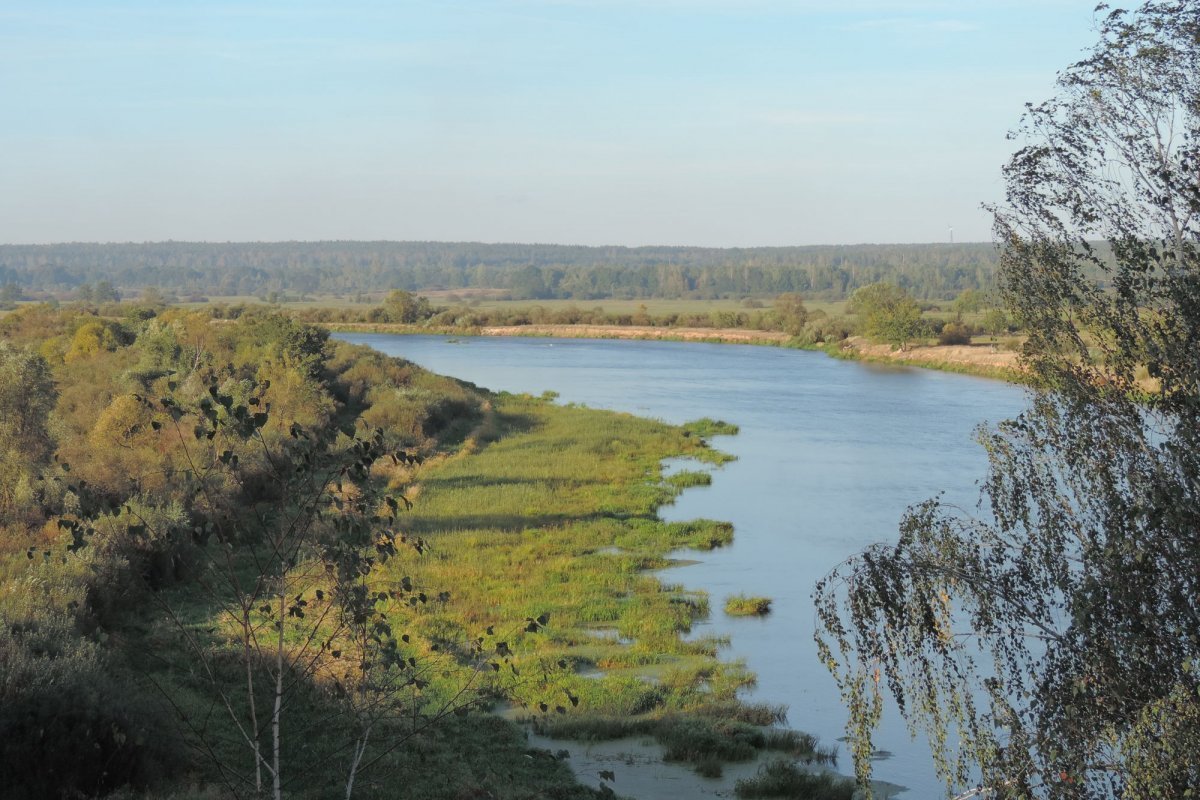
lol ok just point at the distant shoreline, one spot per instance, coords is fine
(978, 360)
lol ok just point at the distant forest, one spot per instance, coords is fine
(520, 271)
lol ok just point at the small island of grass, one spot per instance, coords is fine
(740, 605)
(707, 426)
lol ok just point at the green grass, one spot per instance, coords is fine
(740, 605)
(557, 515)
(688, 479)
(707, 426)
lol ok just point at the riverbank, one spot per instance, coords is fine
(550, 513)
(980, 360)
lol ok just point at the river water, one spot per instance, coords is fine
(830, 454)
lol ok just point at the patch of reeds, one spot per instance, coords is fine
(783, 778)
(740, 605)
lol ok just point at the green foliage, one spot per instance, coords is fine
(710, 427)
(27, 396)
(406, 307)
(996, 322)
(791, 313)
(1050, 647)
(954, 333)
(687, 479)
(234, 555)
(71, 724)
(970, 301)
(740, 605)
(888, 314)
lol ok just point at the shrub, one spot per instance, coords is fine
(70, 726)
(954, 333)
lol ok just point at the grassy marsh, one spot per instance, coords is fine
(554, 512)
(740, 605)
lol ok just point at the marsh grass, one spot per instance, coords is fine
(706, 426)
(786, 779)
(740, 605)
(556, 514)
(688, 478)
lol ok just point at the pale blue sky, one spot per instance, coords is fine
(703, 122)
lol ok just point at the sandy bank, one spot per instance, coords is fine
(733, 335)
(973, 359)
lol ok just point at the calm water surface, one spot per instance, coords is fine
(830, 454)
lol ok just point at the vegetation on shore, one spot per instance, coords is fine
(146, 478)
(782, 778)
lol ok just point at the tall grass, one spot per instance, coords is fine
(784, 778)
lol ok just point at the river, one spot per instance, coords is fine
(830, 454)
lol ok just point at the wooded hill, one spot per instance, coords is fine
(521, 271)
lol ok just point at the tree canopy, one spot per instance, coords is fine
(888, 312)
(1050, 646)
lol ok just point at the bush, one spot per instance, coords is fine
(954, 333)
(69, 725)
(739, 605)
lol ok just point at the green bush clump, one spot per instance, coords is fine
(954, 333)
(740, 605)
(707, 426)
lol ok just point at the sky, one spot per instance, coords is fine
(721, 123)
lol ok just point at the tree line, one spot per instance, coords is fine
(518, 271)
